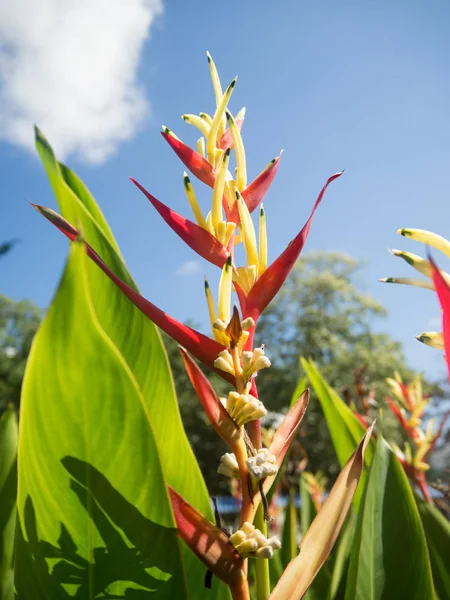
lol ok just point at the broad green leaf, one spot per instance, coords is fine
(389, 557)
(8, 487)
(345, 429)
(437, 534)
(140, 345)
(94, 512)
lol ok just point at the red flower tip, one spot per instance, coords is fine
(197, 238)
(268, 285)
(194, 161)
(201, 346)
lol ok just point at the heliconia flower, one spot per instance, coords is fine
(210, 544)
(443, 292)
(220, 419)
(267, 286)
(434, 339)
(251, 543)
(408, 281)
(196, 237)
(201, 346)
(427, 237)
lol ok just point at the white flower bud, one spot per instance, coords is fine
(247, 323)
(228, 465)
(224, 362)
(263, 464)
(264, 552)
(254, 361)
(250, 541)
(219, 325)
(244, 408)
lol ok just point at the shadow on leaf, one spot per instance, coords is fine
(136, 561)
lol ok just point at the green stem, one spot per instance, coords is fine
(262, 564)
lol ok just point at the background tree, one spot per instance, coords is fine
(18, 324)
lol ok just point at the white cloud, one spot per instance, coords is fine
(70, 67)
(190, 267)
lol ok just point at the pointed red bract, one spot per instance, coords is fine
(201, 346)
(226, 141)
(197, 238)
(209, 543)
(256, 190)
(267, 286)
(400, 416)
(443, 292)
(213, 407)
(286, 431)
(194, 161)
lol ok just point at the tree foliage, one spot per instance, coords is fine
(19, 321)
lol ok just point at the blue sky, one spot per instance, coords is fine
(361, 85)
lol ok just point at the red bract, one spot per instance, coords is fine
(201, 346)
(214, 409)
(267, 286)
(410, 431)
(208, 542)
(194, 161)
(443, 292)
(256, 190)
(197, 238)
(285, 432)
(226, 141)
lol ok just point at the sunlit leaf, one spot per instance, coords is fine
(140, 345)
(437, 534)
(91, 493)
(8, 486)
(344, 427)
(389, 555)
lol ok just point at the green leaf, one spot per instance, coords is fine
(8, 487)
(307, 509)
(91, 487)
(345, 429)
(140, 345)
(437, 534)
(389, 557)
(289, 545)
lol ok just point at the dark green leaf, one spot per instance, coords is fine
(389, 558)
